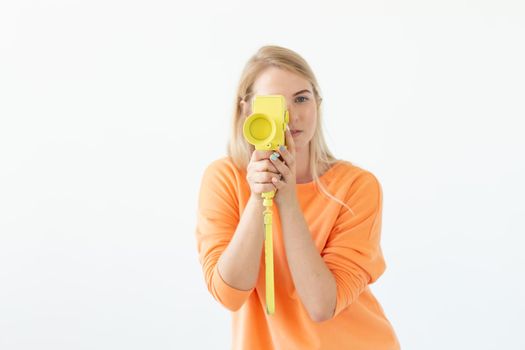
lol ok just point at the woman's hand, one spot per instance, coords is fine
(259, 173)
(286, 193)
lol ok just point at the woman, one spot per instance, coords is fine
(326, 226)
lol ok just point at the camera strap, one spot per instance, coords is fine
(268, 251)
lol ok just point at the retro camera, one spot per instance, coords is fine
(265, 127)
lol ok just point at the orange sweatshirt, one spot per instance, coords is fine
(348, 244)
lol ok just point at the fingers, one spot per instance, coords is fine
(278, 183)
(263, 164)
(260, 172)
(261, 188)
(282, 168)
(290, 144)
(258, 155)
(266, 165)
(287, 156)
(265, 177)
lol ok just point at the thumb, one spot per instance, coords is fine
(277, 182)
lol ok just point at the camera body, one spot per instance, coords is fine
(265, 127)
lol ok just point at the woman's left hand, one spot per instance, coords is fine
(286, 193)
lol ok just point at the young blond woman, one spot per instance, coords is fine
(326, 226)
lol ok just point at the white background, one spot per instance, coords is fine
(110, 111)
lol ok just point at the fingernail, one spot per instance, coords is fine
(282, 147)
(274, 156)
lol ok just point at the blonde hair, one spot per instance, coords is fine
(239, 150)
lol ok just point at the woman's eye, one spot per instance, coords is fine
(305, 98)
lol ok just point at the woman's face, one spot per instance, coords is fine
(301, 104)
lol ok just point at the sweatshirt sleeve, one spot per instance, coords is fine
(217, 219)
(353, 252)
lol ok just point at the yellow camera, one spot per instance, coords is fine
(265, 127)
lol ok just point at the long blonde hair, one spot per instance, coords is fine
(239, 150)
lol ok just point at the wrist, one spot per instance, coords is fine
(255, 196)
(289, 203)
(256, 200)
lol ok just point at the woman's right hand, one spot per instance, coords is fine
(259, 173)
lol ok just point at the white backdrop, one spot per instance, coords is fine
(110, 111)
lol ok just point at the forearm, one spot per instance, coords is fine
(313, 281)
(240, 262)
